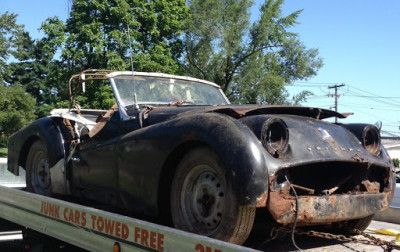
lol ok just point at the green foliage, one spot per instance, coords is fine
(3, 151)
(251, 62)
(96, 36)
(16, 107)
(9, 34)
(31, 69)
(31, 66)
(16, 110)
(104, 98)
(396, 162)
(97, 95)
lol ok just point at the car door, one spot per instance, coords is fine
(94, 164)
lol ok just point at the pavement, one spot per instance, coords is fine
(313, 244)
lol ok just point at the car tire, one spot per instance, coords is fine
(204, 202)
(360, 224)
(38, 178)
(346, 227)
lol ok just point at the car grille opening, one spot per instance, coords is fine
(334, 178)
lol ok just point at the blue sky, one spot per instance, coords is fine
(359, 42)
(357, 39)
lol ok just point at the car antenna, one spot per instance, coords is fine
(133, 73)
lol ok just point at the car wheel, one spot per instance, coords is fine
(360, 224)
(203, 200)
(37, 170)
(346, 227)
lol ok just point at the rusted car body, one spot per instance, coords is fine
(186, 152)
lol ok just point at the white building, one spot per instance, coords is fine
(392, 145)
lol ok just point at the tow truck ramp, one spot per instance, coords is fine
(97, 230)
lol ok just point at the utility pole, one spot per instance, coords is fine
(336, 86)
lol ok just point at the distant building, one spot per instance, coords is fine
(392, 145)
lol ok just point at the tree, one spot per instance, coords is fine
(16, 107)
(30, 67)
(16, 110)
(96, 36)
(251, 62)
(31, 71)
(396, 162)
(9, 34)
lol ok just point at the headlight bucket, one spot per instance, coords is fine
(368, 135)
(371, 140)
(275, 136)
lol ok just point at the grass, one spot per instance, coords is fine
(3, 152)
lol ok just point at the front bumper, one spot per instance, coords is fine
(326, 208)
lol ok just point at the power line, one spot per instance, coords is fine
(388, 100)
(370, 107)
(315, 83)
(327, 84)
(366, 100)
(378, 99)
(374, 116)
(371, 96)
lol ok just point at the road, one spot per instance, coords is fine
(311, 244)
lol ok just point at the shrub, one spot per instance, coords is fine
(396, 162)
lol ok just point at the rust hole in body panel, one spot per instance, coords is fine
(371, 187)
(334, 178)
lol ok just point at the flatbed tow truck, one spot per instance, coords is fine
(97, 230)
(92, 229)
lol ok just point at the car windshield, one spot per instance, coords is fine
(166, 90)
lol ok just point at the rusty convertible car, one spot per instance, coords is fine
(174, 149)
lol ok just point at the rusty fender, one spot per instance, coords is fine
(325, 208)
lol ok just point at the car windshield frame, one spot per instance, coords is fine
(162, 89)
(185, 97)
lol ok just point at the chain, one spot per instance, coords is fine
(370, 240)
(386, 245)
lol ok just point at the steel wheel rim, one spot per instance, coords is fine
(203, 199)
(40, 173)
